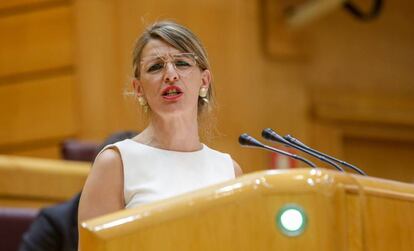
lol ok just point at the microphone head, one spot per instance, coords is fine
(247, 140)
(269, 134)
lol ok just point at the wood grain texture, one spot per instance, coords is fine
(374, 107)
(37, 110)
(280, 42)
(50, 149)
(10, 5)
(31, 182)
(36, 40)
(343, 214)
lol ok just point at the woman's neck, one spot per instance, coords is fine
(174, 133)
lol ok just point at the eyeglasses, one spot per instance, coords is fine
(183, 63)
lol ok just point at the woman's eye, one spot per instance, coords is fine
(155, 67)
(182, 63)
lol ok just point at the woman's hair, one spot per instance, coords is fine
(181, 39)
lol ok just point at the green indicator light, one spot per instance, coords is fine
(291, 220)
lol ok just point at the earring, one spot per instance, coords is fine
(143, 102)
(203, 94)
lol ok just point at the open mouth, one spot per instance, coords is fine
(171, 91)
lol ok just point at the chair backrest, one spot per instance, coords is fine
(13, 223)
(78, 150)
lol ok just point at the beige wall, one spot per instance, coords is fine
(341, 86)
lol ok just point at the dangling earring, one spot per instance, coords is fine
(203, 94)
(143, 102)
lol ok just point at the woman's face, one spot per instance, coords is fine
(170, 80)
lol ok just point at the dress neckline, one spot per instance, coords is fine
(169, 151)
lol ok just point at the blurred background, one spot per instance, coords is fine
(340, 84)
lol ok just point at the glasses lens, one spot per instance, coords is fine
(152, 65)
(183, 63)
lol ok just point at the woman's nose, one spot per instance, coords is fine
(170, 74)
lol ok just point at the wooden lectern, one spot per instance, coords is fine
(300, 209)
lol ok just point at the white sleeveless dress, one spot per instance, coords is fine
(152, 174)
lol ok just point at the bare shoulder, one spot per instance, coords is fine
(237, 169)
(107, 164)
(103, 189)
(108, 158)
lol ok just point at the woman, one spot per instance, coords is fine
(172, 82)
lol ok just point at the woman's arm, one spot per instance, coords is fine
(237, 169)
(103, 190)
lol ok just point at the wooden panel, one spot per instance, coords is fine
(399, 227)
(344, 212)
(35, 41)
(37, 149)
(97, 47)
(237, 215)
(354, 222)
(36, 110)
(32, 182)
(25, 3)
(26, 203)
(363, 107)
(279, 40)
(388, 159)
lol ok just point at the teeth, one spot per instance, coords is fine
(172, 92)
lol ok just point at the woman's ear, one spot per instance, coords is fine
(136, 84)
(206, 78)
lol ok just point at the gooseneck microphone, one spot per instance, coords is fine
(269, 134)
(295, 141)
(249, 141)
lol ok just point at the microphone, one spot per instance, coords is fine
(249, 141)
(269, 134)
(295, 141)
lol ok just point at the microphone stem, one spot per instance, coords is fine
(311, 164)
(315, 155)
(298, 143)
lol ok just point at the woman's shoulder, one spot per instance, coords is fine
(237, 169)
(107, 158)
(103, 189)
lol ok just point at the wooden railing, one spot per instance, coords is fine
(32, 182)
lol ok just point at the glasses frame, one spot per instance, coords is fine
(169, 58)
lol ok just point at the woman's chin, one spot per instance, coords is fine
(176, 109)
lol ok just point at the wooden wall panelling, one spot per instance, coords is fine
(372, 130)
(36, 77)
(368, 107)
(280, 41)
(37, 110)
(36, 41)
(326, 138)
(364, 56)
(11, 5)
(361, 81)
(384, 158)
(380, 150)
(99, 93)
